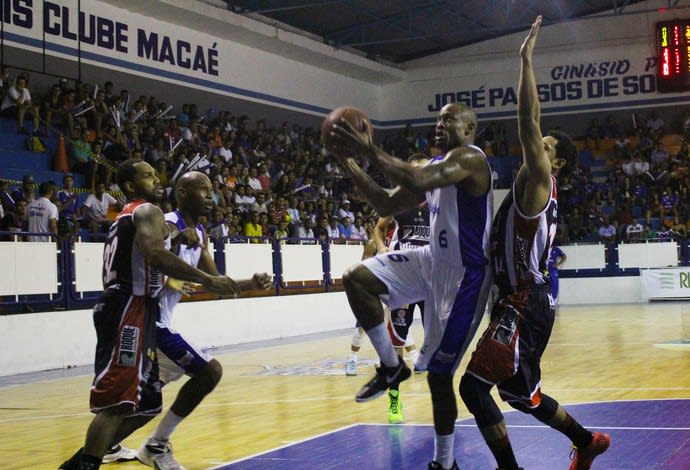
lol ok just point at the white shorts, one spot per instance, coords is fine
(455, 298)
(177, 356)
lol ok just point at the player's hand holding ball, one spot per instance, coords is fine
(347, 132)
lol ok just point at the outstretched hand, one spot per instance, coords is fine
(528, 45)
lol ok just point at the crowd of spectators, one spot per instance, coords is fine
(279, 182)
(267, 181)
(643, 194)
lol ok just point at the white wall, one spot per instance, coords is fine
(598, 290)
(53, 340)
(263, 63)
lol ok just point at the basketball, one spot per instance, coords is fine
(354, 116)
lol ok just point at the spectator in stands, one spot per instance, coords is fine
(345, 228)
(655, 126)
(281, 232)
(260, 205)
(659, 154)
(332, 228)
(6, 199)
(359, 232)
(640, 165)
(607, 232)
(253, 228)
(26, 191)
(635, 231)
(649, 233)
(17, 103)
(306, 229)
(51, 106)
(321, 230)
(95, 209)
(68, 205)
(621, 147)
(679, 229)
(5, 80)
(345, 211)
(99, 112)
(253, 181)
(15, 221)
(686, 124)
(612, 129)
(593, 134)
(217, 227)
(42, 215)
(664, 233)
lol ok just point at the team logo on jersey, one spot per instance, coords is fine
(129, 340)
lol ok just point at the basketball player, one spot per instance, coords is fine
(451, 274)
(509, 352)
(126, 392)
(177, 356)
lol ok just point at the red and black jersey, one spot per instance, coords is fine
(124, 267)
(520, 245)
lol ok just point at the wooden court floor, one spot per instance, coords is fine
(280, 392)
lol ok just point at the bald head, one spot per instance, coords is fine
(193, 193)
(456, 126)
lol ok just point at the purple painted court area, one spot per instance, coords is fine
(646, 434)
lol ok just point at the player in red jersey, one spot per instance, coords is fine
(125, 393)
(509, 353)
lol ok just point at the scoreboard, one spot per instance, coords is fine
(673, 47)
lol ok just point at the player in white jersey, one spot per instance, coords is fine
(509, 353)
(176, 355)
(451, 274)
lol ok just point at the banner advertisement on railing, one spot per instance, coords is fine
(665, 283)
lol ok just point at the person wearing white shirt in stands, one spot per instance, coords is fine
(345, 211)
(17, 102)
(95, 208)
(43, 214)
(634, 231)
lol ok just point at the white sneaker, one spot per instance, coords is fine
(350, 367)
(119, 453)
(159, 455)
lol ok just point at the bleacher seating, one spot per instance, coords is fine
(17, 161)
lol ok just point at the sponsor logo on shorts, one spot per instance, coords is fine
(129, 340)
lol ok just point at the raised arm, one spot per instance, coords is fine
(534, 177)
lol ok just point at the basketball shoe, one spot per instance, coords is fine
(583, 458)
(159, 455)
(385, 378)
(434, 465)
(395, 408)
(119, 453)
(350, 367)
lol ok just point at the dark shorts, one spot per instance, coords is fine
(126, 368)
(509, 352)
(400, 322)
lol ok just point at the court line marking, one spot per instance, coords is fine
(249, 457)
(459, 424)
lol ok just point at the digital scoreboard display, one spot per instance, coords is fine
(673, 46)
